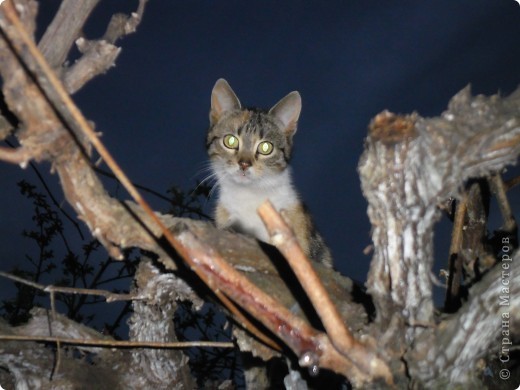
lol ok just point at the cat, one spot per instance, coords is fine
(249, 151)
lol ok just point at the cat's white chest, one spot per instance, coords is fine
(241, 204)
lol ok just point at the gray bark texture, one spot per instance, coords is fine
(409, 167)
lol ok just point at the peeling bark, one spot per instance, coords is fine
(152, 320)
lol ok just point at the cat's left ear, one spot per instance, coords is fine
(288, 111)
(223, 99)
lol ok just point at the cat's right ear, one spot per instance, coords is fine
(223, 99)
(288, 111)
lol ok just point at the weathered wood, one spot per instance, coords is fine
(152, 320)
(65, 28)
(411, 165)
(448, 353)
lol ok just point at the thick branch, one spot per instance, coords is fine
(97, 55)
(296, 333)
(450, 354)
(65, 28)
(100, 55)
(412, 164)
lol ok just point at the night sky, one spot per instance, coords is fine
(348, 59)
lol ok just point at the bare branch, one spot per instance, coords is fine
(452, 301)
(284, 239)
(499, 190)
(110, 296)
(65, 28)
(100, 55)
(511, 183)
(119, 344)
(20, 156)
(450, 354)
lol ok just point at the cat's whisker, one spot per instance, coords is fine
(204, 172)
(206, 179)
(213, 189)
(212, 176)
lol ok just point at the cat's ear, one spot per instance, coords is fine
(222, 99)
(288, 111)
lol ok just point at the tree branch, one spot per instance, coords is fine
(64, 29)
(451, 352)
(118, 343)
(108, 295)
(284, 239)
(409, 166)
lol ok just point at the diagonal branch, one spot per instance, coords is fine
(484, 323)
(312, 347)
(452, 299)
(284, 239)
(64, 29)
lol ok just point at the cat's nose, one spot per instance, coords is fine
(244, 164)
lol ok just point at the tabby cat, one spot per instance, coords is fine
(249, 151)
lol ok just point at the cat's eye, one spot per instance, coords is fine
(265, 148)
(230, 141)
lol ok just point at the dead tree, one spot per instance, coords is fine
(411, 166)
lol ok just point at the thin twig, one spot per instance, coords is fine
(27, 156)
(57, 363)
(499, 190)
(284, 239)
(18, 155)
(58, 205)
(511, 183)
(153, 192)
(452, 301)
(121, 344)
(109, 296)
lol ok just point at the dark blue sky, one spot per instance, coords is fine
(349, 60)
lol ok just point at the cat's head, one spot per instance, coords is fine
(248, 145)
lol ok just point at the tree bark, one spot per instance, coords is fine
(409, 167)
